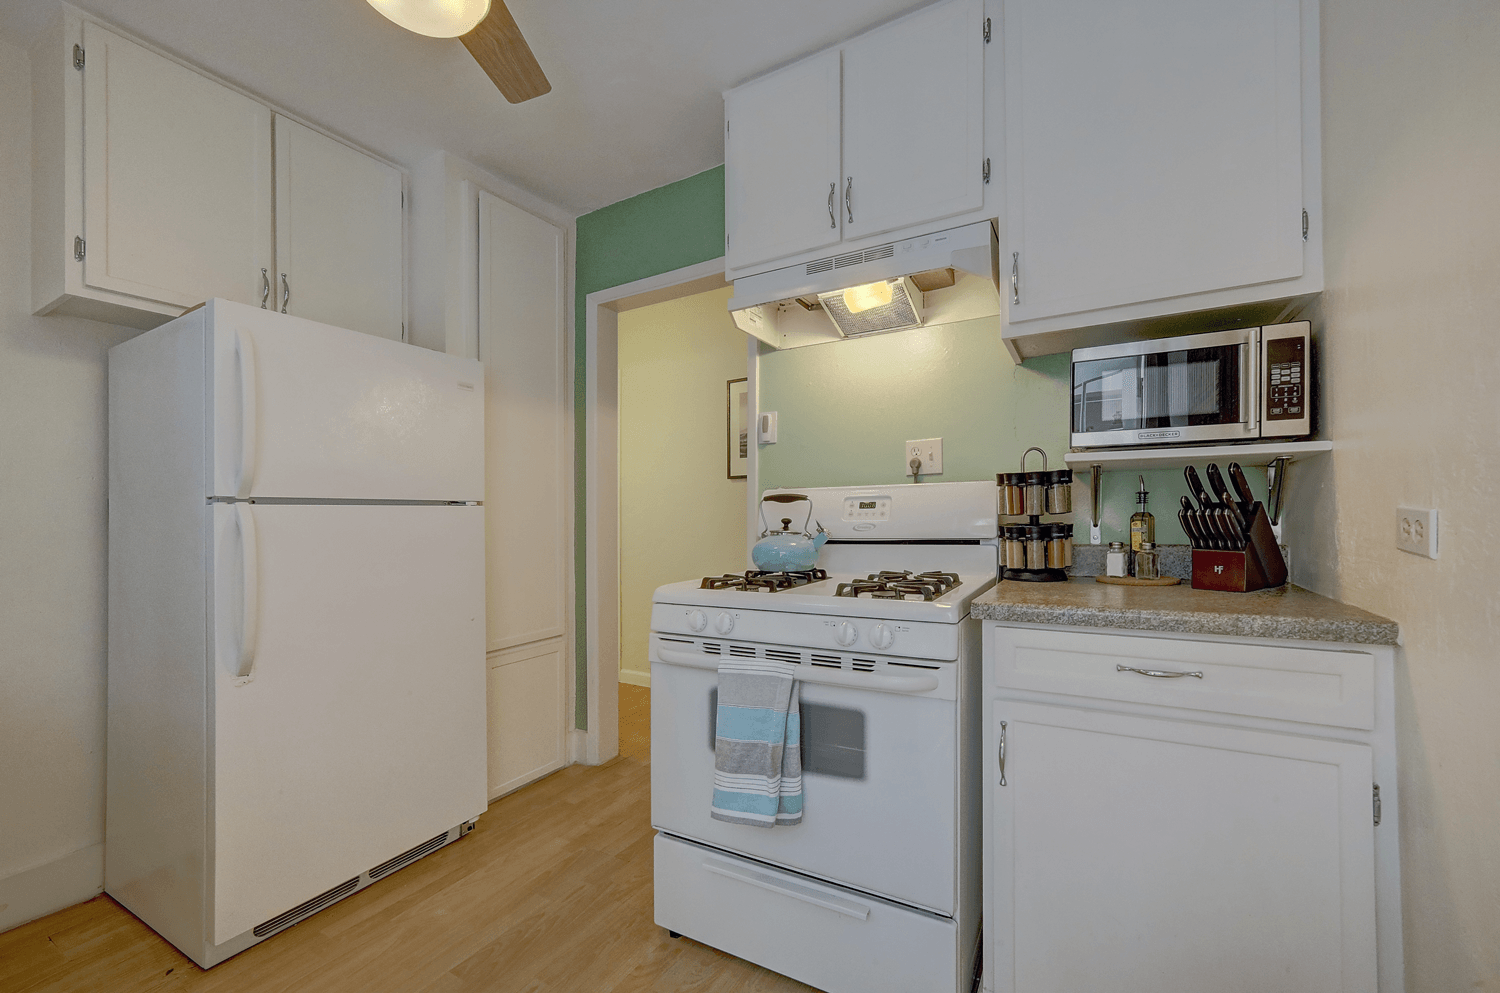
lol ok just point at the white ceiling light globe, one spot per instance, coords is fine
(435, 18)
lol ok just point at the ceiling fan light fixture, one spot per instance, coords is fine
(434, 18)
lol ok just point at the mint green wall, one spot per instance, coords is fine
(676, 225)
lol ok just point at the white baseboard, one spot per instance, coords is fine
(51, 887)
(635, 678)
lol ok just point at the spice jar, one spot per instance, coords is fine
(1147, 562)
(1067, 545)
(1116, 560)
(1036, 493)
(1013, 549)
(1012, 493)
(1060, 491)
(1057, 546)
(1036, 545)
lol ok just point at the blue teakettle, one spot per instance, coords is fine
(787, 550)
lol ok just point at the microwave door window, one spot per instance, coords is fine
(1185, 388)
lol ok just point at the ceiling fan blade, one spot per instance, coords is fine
(502, 53)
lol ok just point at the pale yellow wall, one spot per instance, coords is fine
(1410, 356)
(680, 516)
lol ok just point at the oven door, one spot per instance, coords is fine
(880, 769)
(1197, 388)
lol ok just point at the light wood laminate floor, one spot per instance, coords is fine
(551, 892)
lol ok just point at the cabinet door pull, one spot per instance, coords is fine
(1159, 673)
(1002, 753)
(1015, 277)
(833, 189)
(849, 197)
(286, 292)
(265, 289)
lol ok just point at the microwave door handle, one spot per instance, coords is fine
(1253, 385)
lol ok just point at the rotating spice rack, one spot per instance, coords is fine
(1035, 552)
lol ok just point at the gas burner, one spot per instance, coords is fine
(900, 586)
(762, 582)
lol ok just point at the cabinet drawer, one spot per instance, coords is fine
(1335, 688)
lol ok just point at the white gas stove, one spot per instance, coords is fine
(878, 887)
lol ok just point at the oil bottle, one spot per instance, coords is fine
(1142, 524)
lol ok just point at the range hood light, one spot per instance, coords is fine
(862, 298)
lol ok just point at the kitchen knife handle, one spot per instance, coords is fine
(249, 590)
(1242, 490)
(1187, 528)
(1196, 486)
(1216, 484)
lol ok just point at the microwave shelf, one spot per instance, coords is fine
(1252, 453)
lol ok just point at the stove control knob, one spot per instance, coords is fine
(697, 620)
(724, 624)
(846, 634)
(882, 636)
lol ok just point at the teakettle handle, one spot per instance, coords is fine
(765, 528)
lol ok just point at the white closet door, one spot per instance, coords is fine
(1153, 149)
(1140, 855)
(522, 343)
(783, 191)
(914, 140)
(339, 234)
(177, 179)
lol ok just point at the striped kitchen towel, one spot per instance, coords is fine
(757, 744)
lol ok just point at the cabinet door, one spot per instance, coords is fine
(1153, 149)
(339, 234)
(781, 163)
(177, 179)
(1140, 854)
(914, 119)
(528, 697)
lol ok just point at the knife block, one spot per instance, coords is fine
(1258, 566)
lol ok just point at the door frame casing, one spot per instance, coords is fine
(601, 501)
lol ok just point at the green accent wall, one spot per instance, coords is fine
(676, 225)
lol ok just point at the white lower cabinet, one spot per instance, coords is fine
(528, 694)
(1145, 843)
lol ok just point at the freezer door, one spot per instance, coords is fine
(348, 695)
(307, 411)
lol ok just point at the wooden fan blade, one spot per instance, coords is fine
(502, 53)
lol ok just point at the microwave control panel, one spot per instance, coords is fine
(1286, 367)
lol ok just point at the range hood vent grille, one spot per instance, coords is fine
(850, 258)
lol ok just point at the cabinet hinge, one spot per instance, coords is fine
(986, 172)
(403, 199)
(78, 57)
(1376, 802)
(986, 30)
(78, 248)
(1304, 223)
(726, 128)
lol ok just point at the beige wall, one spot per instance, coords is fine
(1410, 356)
(52, 558)
(680, 517)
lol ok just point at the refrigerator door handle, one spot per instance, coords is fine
(244, 347)
(249, 590)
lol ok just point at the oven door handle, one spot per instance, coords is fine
(881, 681)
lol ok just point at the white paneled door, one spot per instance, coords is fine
(177, 179)
(523, 345)
(339, 234)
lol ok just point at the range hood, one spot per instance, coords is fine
(939, 278)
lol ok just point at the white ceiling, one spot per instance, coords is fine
(635, 83)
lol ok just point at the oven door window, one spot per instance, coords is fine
(1187, 388)
(833, 738)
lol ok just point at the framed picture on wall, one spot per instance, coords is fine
(737, 427)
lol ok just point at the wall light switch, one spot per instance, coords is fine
(1417, 531)
(767, 421)
(929, 450)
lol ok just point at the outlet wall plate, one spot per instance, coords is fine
(929, 450)
(1417, 531)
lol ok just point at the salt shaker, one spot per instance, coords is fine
(1147, 562)
(1117, 560)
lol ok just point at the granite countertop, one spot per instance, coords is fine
(1290, 612)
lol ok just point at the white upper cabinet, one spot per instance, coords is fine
(781, 163)
(914, 119)
(1159, 157)
(339, 234)
(815, 162)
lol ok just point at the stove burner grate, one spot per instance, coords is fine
(754, 581)
(887, 585)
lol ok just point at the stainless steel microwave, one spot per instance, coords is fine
(1220, 386)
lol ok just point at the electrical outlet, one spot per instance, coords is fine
(1417, 531)
(929, 450)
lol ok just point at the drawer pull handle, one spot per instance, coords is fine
(786, 887)
(1159, 673)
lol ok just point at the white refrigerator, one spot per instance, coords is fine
(296, 703)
